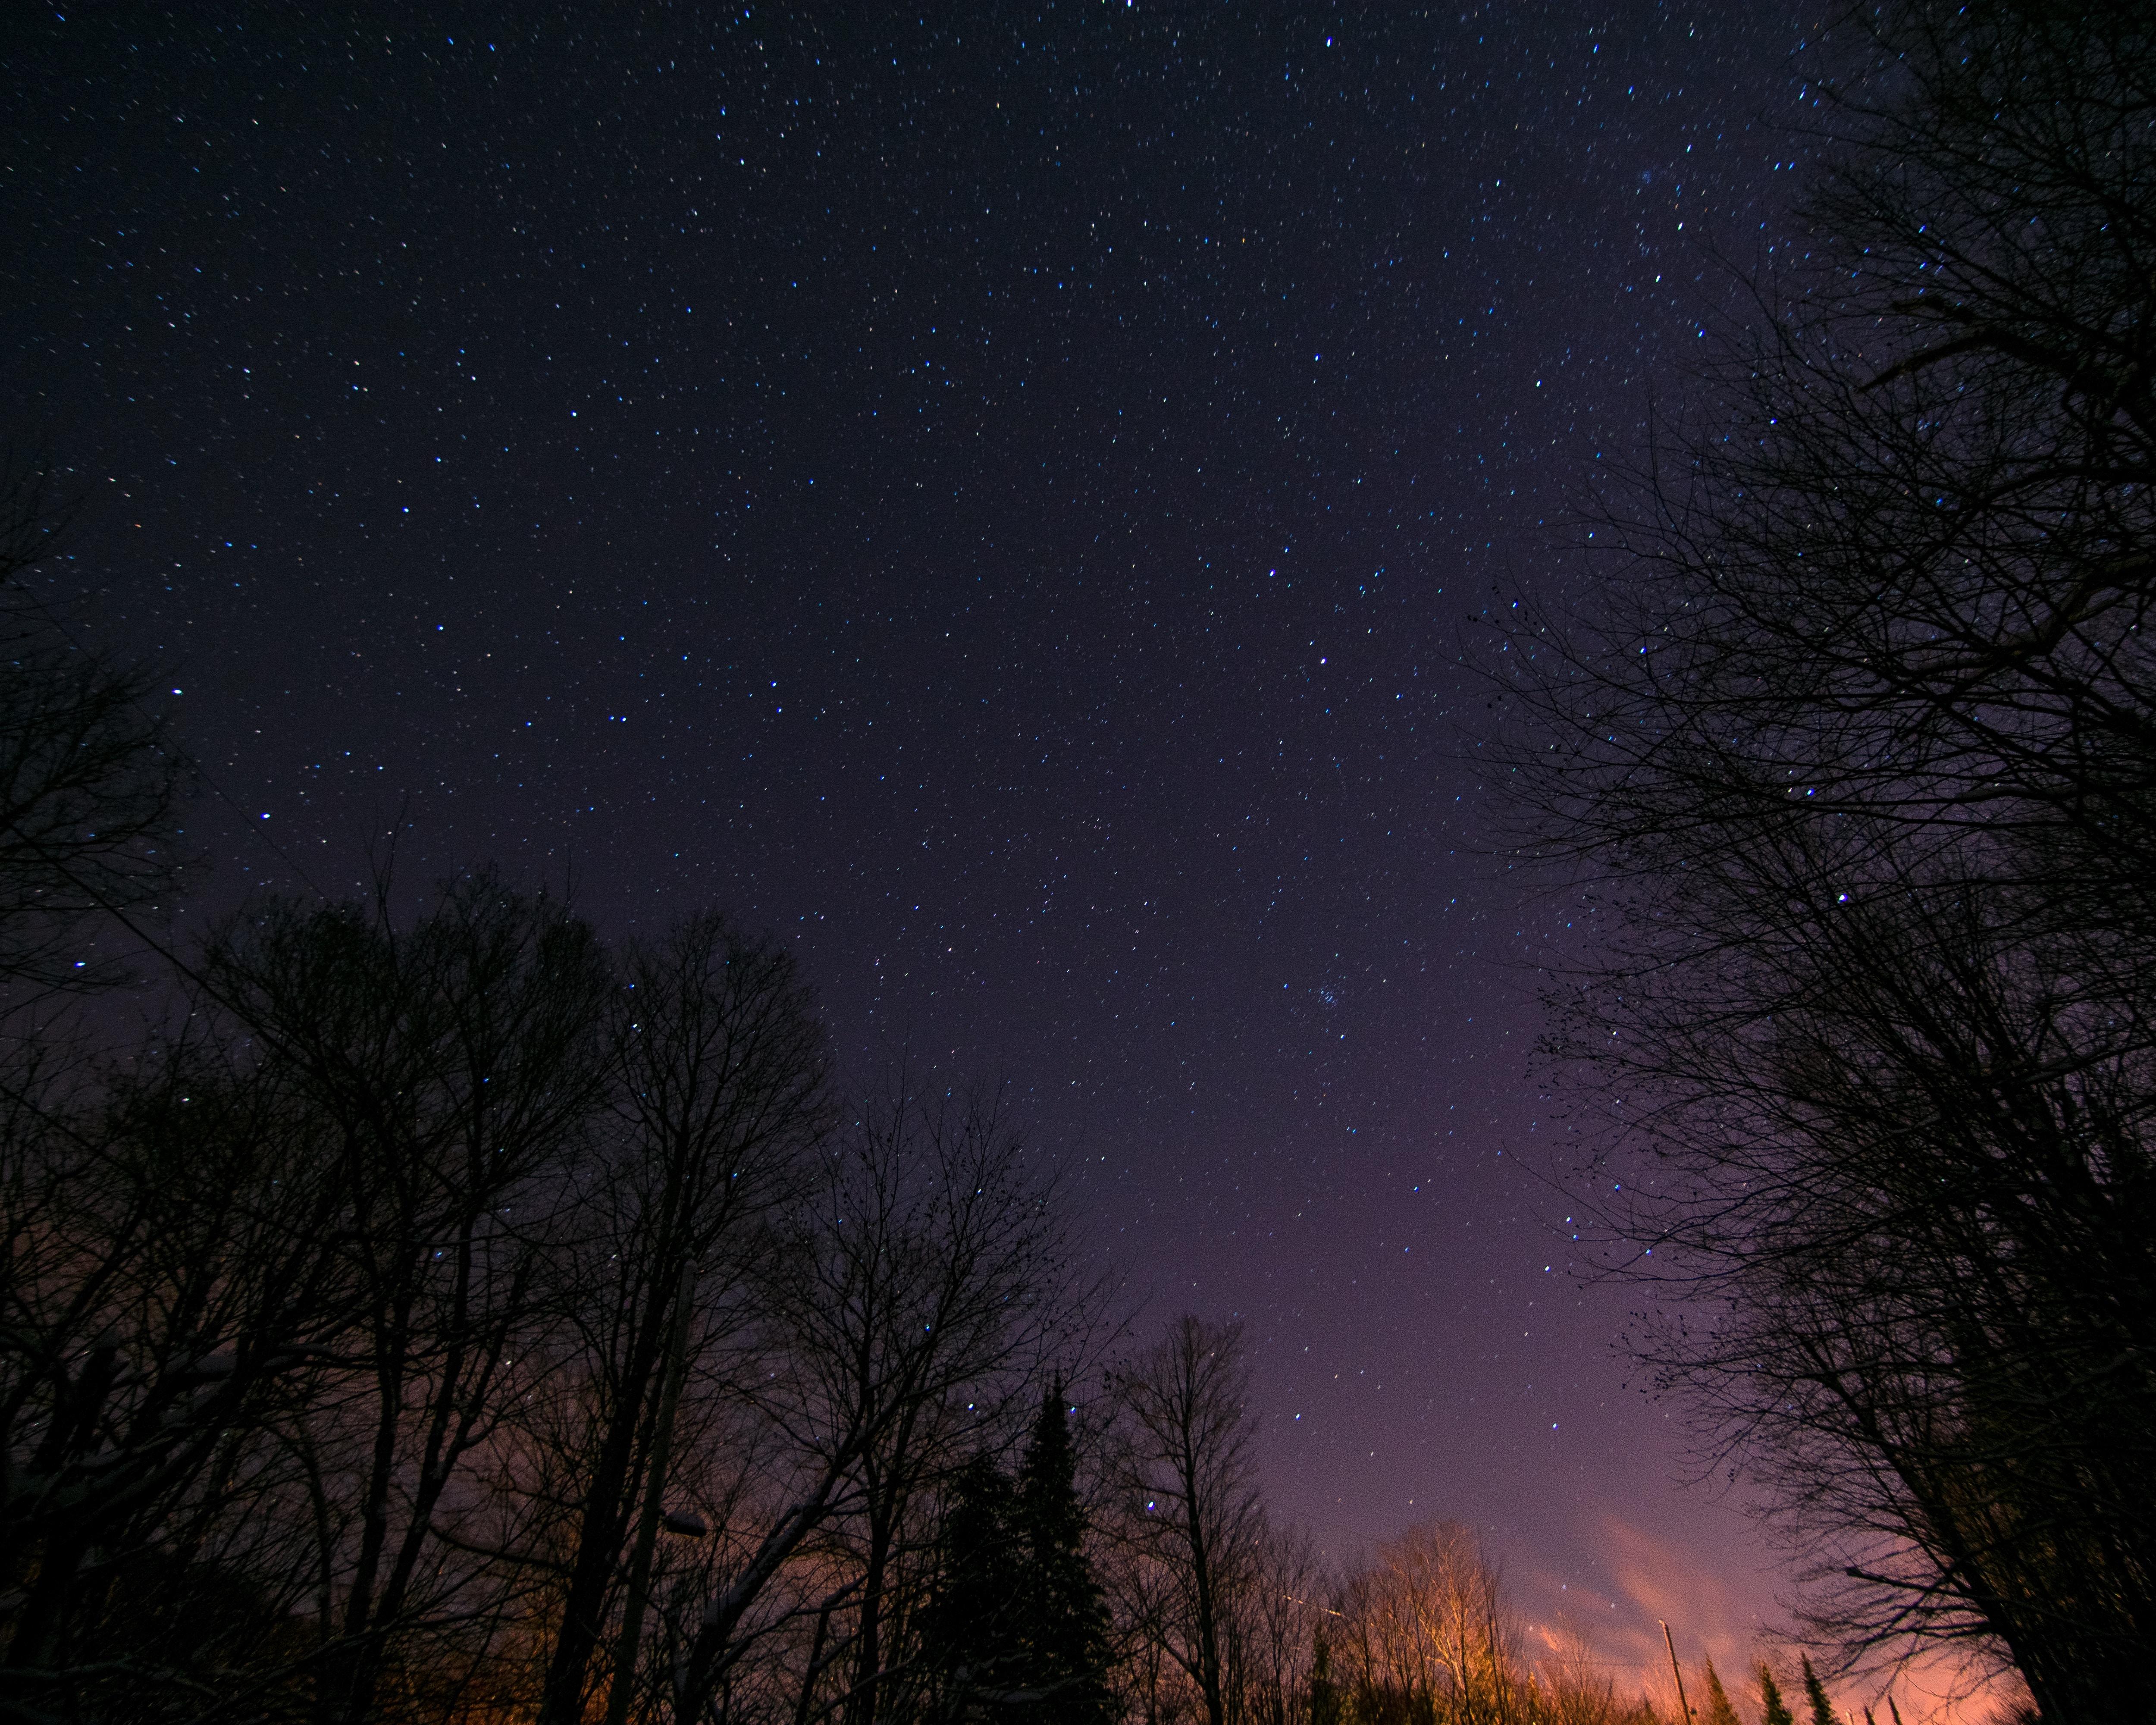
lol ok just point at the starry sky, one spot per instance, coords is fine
(997, 498)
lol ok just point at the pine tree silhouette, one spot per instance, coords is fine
(1773, 1709)
(1324, 1697)
(974, 1633)
(1815, 1693)
(1718, 1710)
(1067, 1627)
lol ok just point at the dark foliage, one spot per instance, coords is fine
(974, 1636)
(1816, 1696)
(1773, 1709)
(1066, 1616)
(1017, 1630)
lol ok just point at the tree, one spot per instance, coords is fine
(1187, 1481)
(1324, 1697)
(1065, 1616)
(912, 1301)
(1718, 1710)
(455, 1068)
(91, 777)
(974, 1637)
(1016, 1628)
(1773, 1709)
(1857, 770)
(1571, 1687)
(1269, 1650)
(172, 1276)
(1815, 1695)
(1431, 1632)
(272, 1292)
(717, 1072)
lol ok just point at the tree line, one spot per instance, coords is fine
(462, 1318)
(1847, 761)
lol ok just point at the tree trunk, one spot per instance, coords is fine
(619, 1691)
(605, 1521)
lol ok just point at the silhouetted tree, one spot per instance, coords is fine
(172, 1282)
(716, 1099)
(1718, 1709)
(1815, 1695)
(1186, 1483)
(1324, 1697)
(1857, 759)
(1268, 1651)
(912, 1303)
(1065, 1616)
(973, 1633)
(271, 1288)
(1773, 1709)
(91, 776)
(455, 1068)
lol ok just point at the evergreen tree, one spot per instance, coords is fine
(1324, 1697)
(1773, 1710)
(974, 1634)
(1816, 1692)
(1067, 1627)
(1718, 1710)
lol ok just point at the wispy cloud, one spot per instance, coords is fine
(1652, 1579)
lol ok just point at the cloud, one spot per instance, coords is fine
(1641, 1580)
(1653, 1580)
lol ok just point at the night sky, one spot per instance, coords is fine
(994, 500)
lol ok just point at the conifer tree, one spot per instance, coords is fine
(1718, 1709)
(1066, 1619)
(973, 1636)
(1324, 1697)
(1773, 1709)
(1816, 1692)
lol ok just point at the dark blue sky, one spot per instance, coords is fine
(994, 500)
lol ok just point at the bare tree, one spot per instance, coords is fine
(1857, 769)
(1568, 1686)
(1273, 1631)
(1188, 1509)
(456, 1068)
(718, 1080)
(1430, 1634)
(91, 778)
(915, 1304)
(171, 1271)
